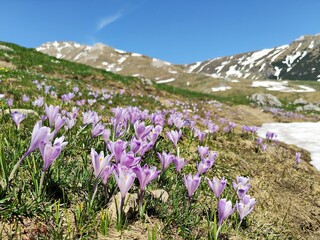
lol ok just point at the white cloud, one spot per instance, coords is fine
(109, 19)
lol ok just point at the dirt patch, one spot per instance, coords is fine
(7, 64)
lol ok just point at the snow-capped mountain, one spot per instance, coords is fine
(298, 60)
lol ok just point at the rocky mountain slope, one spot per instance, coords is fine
(114, 60)
(298, 60)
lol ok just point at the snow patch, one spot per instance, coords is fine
(221, 66)
(193, 67)
(277, 73)
(119, 51)
(136, 55)
(303, 134)
(291, 58)
(262, 67)
(78, 56)
(311, 44)
(218, 89)
(166, 80)
(122, 59)
(278, 52)
(281, 86)
(255, 56)
(234, 72)
(246, 75)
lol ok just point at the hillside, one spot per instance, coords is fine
(96, 110)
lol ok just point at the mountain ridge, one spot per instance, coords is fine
(299, 60)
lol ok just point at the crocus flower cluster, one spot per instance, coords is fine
(207, 159)
(249, 129)
(50, 152)
(271, 136)
(241, 186)
(245, 206)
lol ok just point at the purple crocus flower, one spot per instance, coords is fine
(60, 142)
(203, 151)
(106, 173)
(39, 134)
(165, 159)
(298, 157)
(135, 145)
(124, 177)
(49, 153)
(264, 147)
(9, 102)
(52, 113)
(271, 135)
(145, 175)
(201, 135)
(38, 102)
(129, 160)
(224, 211)
(97, 129)
(25, 98)
(91, 101)
(241, 186)
(204, 165)
(89, 117)
(154, 134)
(59, 122)
(141, 130)
(179, 163)
(106, 135)
(99, 162)
(245, 207)
(191, 183)
(117, 148)
(259, 141)
(217, 186)
(174, 136)
(17, 117)
(70, 122)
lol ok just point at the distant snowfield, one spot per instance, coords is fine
(305, 135)
(281, 86)
(166, 80)
(218, 89)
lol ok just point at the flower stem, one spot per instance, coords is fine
(94, 194)
(140, 203)
(15, 168)
(41, 182)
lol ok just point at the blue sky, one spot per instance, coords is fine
(178, 31)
